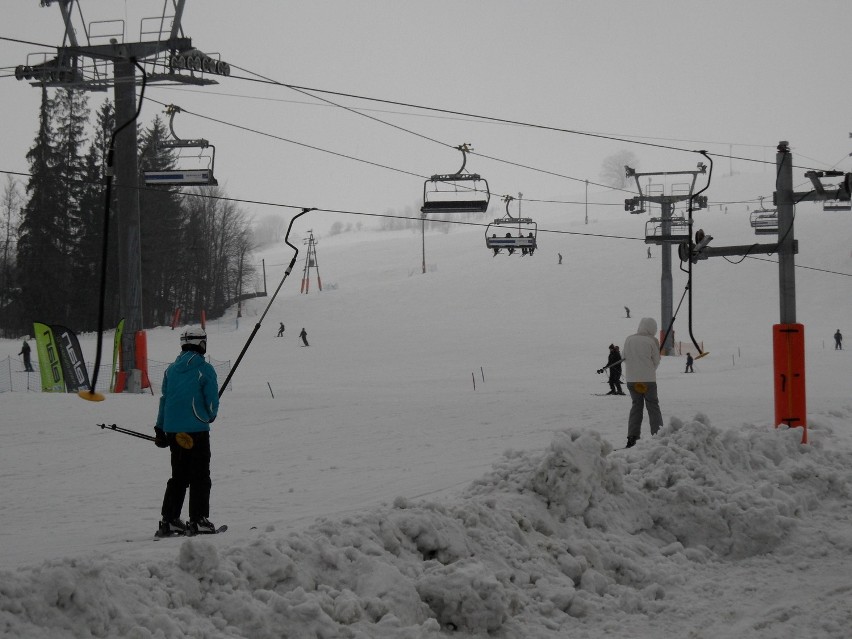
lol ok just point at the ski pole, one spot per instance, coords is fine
(127, 431)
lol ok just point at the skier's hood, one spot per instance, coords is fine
(647, 326)
(188, 361)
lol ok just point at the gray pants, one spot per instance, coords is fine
(648, 400)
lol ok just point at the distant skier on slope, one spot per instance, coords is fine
(613, 364)
(25, 352)
(304, 336)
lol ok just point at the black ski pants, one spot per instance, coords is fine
(190, 469)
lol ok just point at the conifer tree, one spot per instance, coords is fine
(40, 256)
(71, 114)
(161, 218)
(88, 265)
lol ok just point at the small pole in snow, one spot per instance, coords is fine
(483, 374)
(473, 377)
(733, 360)
(270, 390)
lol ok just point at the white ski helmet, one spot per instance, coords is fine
(196, 337)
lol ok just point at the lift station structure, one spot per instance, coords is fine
(666, 230)
(103, 59)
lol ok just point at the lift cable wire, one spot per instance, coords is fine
(604, 136)
(406, 217)
(544, 127)
(377, 164)
(425, 137)
(307, 92)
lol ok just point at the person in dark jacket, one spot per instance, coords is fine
(304, 336)
(189, 404)
(25, 353)
(689, 363)
(280, 330)
(838, 341)
(613, 364)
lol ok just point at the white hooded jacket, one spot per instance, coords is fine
(642, 353)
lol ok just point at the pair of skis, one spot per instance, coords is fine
(160, 535)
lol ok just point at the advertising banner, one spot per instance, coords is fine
(52, 378)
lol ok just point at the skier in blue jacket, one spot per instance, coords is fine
(189, 404)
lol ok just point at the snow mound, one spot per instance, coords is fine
(543, 543)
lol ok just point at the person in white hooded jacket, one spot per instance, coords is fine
(641, 356)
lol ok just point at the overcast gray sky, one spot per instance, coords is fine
(729, 76)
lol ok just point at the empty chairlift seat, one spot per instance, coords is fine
(456, 193)
(459, 192)
(673, 230)
(764, 222)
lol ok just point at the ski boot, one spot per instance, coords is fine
(201, 526)
(171, 527)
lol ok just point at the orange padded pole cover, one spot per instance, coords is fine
(142, 356)
(788, 350)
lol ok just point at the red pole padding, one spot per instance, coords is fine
(142, 357)
(788, 350)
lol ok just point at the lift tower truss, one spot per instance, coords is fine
(166, 56)
(665, 231)
(311, 262)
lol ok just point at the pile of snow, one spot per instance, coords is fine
(570, 541)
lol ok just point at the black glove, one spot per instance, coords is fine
(160, 439)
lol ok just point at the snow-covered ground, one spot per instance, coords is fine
(379, 494)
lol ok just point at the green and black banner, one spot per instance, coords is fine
(116, 353)
(60, 359)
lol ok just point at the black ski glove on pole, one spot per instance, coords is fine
(160, 439)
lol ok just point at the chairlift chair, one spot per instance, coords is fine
(458, 192)
(764, 222)
(196, 176)
(499, 233)
(837, 205)
(673, 230)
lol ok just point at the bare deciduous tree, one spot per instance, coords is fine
(612, 169)
(9, 206)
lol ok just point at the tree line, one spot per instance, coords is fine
(195, 245)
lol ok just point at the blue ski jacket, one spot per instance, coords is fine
(190, 400)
